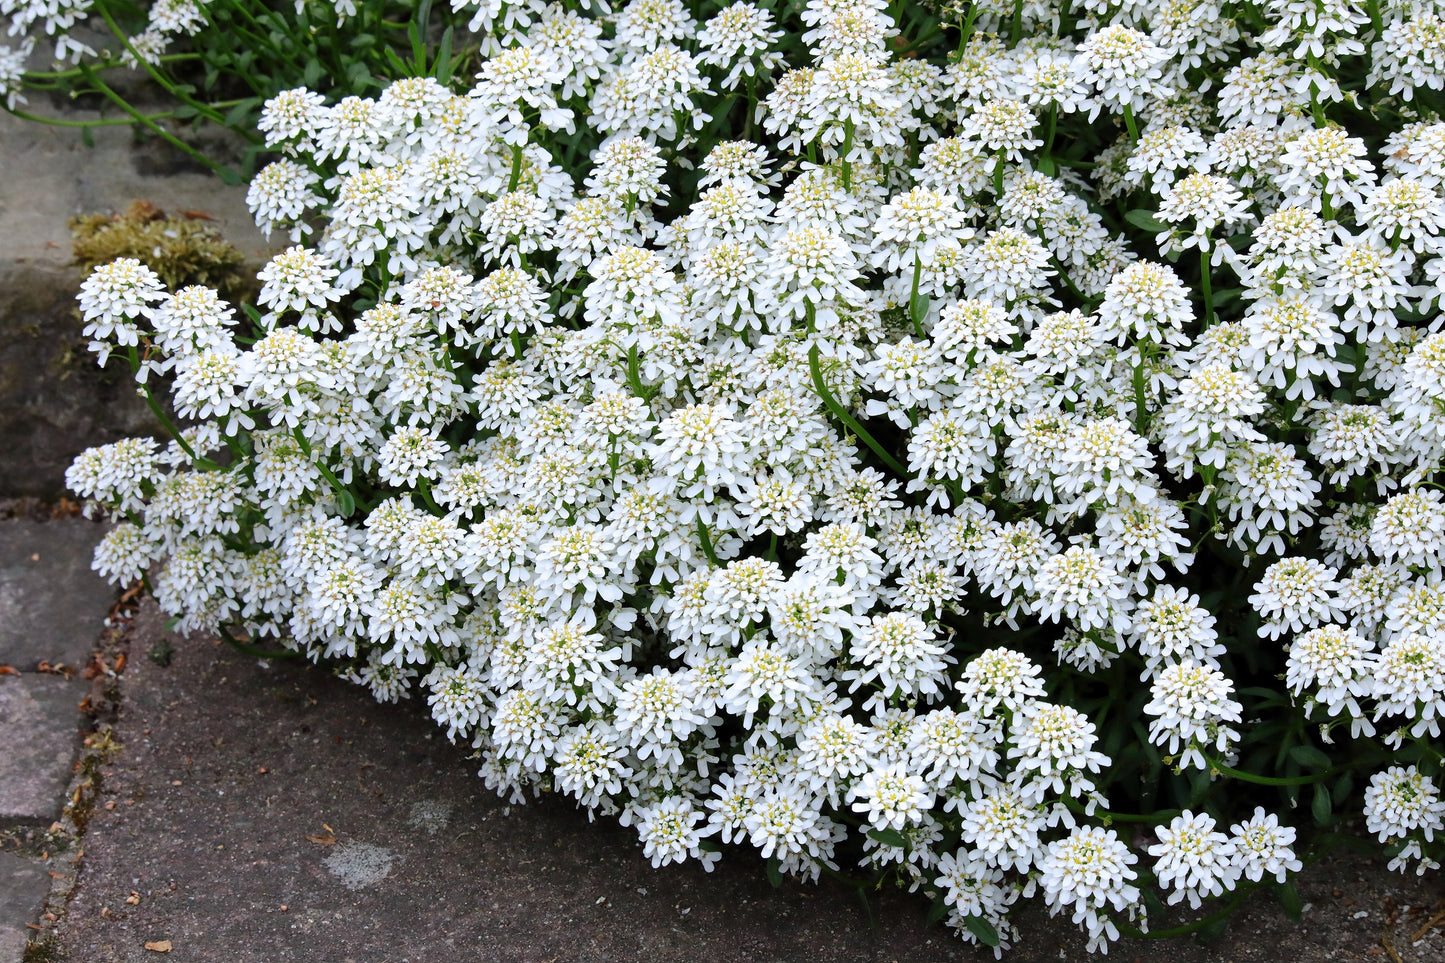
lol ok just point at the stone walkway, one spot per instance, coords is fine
(51, 612)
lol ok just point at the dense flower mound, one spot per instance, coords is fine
(769, 436)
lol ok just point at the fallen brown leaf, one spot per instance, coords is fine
(196, 216)
(319, 839)
(9, 670)
(143, 210)
(133, 899)
(59, 668)
(159, 946)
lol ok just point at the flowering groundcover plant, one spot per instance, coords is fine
(909, 442)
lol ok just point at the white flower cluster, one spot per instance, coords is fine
(714, 508)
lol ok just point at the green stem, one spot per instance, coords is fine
(105, 122)
(223, 172)
(965, 32)
(204, 110)
(245, 648)
(1242, 776)
(846, 418)
(76, 71)
(847, 150)
(133, 354)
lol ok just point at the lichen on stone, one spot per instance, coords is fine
(182, 250)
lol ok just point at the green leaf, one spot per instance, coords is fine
(1212, 930)
(238, 114)
(1310, 758)
(1047, 167)
(1146, 220)
(345, 503)
(775, 872)
(1321, 807)
(888, 837)
(418, 48)
(86, 137)
(983, 930)
(1289, 899)
(172, 622)
(442, 68)
(937, 911)
(1342, 789)
(397, 63)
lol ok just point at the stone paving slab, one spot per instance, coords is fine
(51, 604)
(54, 400)
(24, 884)
(51, 175)
(39, 735)
(270, 812)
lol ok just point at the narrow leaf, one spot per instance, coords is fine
(1145, 219)
(1310, 758)
(1289, 899)
(888, 837)
(982, 929)
(442, 69)
(1321, 807)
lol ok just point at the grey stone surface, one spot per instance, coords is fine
(54, 400)
(50, 176)
(241, 788)
(24, 884)
(39, 734)
(51, 604)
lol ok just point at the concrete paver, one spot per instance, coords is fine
(51, 604)
(39, 734)
(23, 886)
(271, 812)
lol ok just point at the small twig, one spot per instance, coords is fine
(1430, 924)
